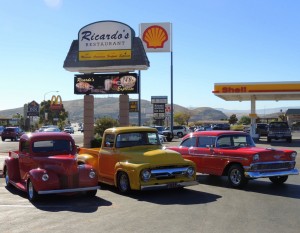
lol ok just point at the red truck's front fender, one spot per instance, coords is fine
(43, 180)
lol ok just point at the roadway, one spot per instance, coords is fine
(208, 207)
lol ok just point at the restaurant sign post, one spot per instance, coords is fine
(104, 55)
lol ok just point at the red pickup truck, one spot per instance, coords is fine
(46, 163)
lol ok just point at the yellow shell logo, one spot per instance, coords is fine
(155, 36)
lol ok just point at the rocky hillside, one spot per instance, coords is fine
(110, 107)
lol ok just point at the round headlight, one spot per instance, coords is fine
(45, 177)
(294, 155)
(145, 174)
(92, 174)
(256, 157)
(190, 171)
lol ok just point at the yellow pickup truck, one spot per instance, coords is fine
(131, 158)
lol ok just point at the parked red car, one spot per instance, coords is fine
(46, 163)
(12, 133)
(234, 154)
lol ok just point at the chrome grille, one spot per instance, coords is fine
(168, 172)
(69, 181)
(273, 166)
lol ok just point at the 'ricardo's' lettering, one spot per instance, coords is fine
(91, 36)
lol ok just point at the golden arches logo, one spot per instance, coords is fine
(155, 36)
(56, 102)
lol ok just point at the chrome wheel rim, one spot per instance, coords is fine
(30, 190)
(235, 176)
(6, 178)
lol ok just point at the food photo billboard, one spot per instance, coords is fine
(106, 83)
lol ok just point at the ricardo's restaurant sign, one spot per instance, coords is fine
(105, 40)
(256, 87)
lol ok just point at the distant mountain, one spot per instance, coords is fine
(10, 112)
(110, 107)
(206, 114)
(263, 113)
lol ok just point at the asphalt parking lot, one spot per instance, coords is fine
(295, 145)
(209, 207)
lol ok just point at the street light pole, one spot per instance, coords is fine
(45, 103)
(48, 93)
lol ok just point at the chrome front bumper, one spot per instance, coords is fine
(68, 190)
(169, 185)
(254, 175)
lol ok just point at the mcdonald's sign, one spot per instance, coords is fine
(56, 103)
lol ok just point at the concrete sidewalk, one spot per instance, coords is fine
(2, 157)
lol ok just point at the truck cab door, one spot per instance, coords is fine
(107, 159)
(25, 159)
(25, 164)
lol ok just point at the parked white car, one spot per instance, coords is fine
(180, 130)
(69, 129)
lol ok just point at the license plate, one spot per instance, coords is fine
(172, 185)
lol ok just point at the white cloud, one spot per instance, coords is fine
(53, 3)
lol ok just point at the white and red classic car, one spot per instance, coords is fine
(234, 154)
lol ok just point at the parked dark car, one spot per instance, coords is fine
(12, 133)
(262, 129)
(224, 126)
(1, 129)
(167, 133)
(279, 130)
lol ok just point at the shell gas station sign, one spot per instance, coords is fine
(156, 37)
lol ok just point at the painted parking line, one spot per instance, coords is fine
(17, 206)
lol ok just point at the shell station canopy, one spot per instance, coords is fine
(257, 91)
(275, 91)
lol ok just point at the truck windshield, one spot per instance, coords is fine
(137, 139)
(61, 146)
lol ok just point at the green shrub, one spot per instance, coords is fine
(237, 127)
(96, 142)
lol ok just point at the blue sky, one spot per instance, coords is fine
(214, 41)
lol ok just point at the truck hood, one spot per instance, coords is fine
(61, 164)
(155, 157)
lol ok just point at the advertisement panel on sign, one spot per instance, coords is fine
(106, 83)
(158, 108)
(133, 106)
(156, 37)
(33, 109)
(105, 40)
(159, 116)
(159, 99)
